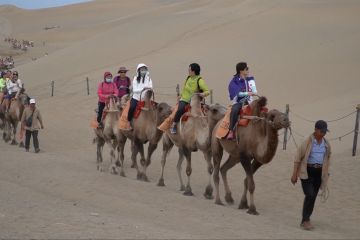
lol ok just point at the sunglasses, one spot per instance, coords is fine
(122, 72)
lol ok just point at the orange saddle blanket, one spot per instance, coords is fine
(123, 123)
(223, 129)
(94, 124)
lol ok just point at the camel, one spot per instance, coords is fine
(145, 130)
(256, 145)
(13, 117)
(109, 135)
(193, 135)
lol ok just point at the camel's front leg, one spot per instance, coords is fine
(230, 162)
(121, 147)
(152, 147)
(209, 189)
(138, 148)
(188, 190)
(255, 165)
(178, 169)
(167, 146)
(246, 163)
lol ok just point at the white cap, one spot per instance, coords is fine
(32, 101)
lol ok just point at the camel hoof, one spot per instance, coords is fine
(145, 178)
(132, 165)
(219, 202)
(182, 188)
(208, 192)
(229, 199)
(188, 193)
(114, 170)
(161, 182)
(139, 176)
(21, 145)
(122, 174)
(252, 211)
(13, 142)
(243, 205)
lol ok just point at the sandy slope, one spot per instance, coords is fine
(303, 53)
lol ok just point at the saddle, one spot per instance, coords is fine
(123, 123)
(223, 128)
(94, 124)
(169, 120)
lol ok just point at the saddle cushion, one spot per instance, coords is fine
(140, 106)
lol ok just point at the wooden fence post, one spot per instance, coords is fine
(52, 88)
(177, 90)
(356, 130)
(211, 96)
(286, 129)
(87, 86)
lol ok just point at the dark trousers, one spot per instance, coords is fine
(180, 111)
(133, 105)
(311, 188)
(35, 139)
(234, 115)
(101, 107)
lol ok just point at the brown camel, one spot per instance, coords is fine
(109, 135)
(256, 145)
(193, 135)
(13, 117)
(145, 130)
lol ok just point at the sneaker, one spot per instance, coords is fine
(306, 226)
(231, 135)
(37, 150)
(173, 129)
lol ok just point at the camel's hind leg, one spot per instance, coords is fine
(255, 165)
(230, 162)
(246, 163)
(114, 162)
(167, 146)
(122, 141)
(14, 142)
(209, 189)
(99, 159)
(217, 154)
(188, 190)
(151, 148)
(139, 148)
(179, 168)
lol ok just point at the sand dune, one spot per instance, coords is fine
(302, 53)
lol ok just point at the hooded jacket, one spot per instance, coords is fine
(138, 87)
(106, 89)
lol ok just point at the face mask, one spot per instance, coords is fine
(108, 80)
(143, 72)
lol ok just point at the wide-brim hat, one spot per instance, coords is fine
(123, 69)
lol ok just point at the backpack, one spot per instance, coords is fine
(198, 86)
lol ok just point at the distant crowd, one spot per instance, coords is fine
(19, 44)
(6, 63)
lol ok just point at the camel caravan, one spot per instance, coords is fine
(246, 130)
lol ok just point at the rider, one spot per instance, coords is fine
(2, 86)
(242, 88)
(106, 89)
(193, 84)
(14, 87)
(122, 82)
(141, 81)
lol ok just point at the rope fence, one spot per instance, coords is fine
(293, 132)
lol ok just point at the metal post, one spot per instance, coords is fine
(177, 90)
(211, 96)
(286, 129)
(87, 86)
(52, 88)
(356, 129)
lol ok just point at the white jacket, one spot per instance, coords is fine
(137, 88)
(13, 87)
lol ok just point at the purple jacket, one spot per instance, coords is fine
(123, 85)
(238, 85)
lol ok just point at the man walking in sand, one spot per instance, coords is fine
(32, 120)
(311, 165)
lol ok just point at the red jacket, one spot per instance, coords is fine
(105, 90)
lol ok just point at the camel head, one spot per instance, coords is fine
(277, 119)
(24, 99)
(112, 104)
(196, 100)
(216, 112)
(122, 102)
(163, 110)
(149, 93)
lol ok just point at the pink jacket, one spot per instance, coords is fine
(105, 90)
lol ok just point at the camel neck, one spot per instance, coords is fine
(270, 144)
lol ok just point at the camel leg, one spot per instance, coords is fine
(243, 203)
(167, 146)
(14, 142)
(121, 146)
(246, 163)
(230, 162)
(139, 148)
(179, 168)
(114, 163)
(151, 148)
(187, 153)
(209, 189)
(217, 154)
(99, 159)
(133, 158)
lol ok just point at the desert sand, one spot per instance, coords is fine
(302, 53)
